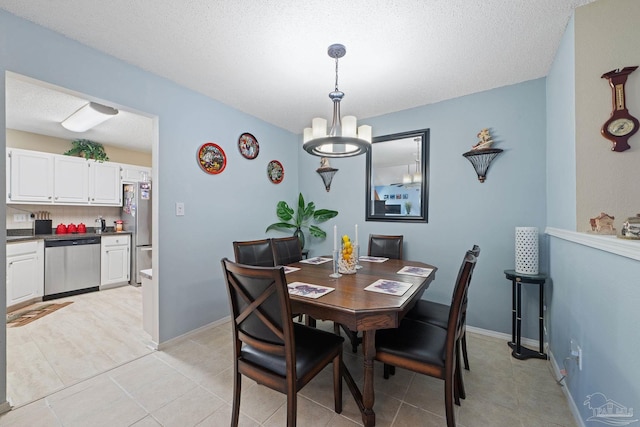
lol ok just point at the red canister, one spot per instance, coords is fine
(82, 228)
(71, 228)
(61, 229)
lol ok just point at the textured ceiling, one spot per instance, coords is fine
(269, 58)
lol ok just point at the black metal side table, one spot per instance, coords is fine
(517, 279)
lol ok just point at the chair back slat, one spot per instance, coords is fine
(254, 252)
(260, 303)
(286, 250)
(458, 304)
(385, 246)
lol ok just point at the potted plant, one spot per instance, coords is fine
(290, 219)
(88, 150)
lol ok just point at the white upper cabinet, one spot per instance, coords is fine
(104, 184)
(30, 176)
(71, 180)
(35, 177)
(133, 173)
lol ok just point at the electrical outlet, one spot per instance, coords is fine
(19, 217)
(576, 351)
(579, 358)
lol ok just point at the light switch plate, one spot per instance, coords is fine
(179, 209)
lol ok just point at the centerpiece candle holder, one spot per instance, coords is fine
(335, 262)
(347, 263)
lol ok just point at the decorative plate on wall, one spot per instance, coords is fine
(248, 146)
(212, 158)
(275, 171)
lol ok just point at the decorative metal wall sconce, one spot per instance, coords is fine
(481, 155)
(326, 172)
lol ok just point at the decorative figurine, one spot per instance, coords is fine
(602, 224)
(485, 140)
(631, 228)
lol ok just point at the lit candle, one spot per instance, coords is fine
(335, 237)
(356, 234)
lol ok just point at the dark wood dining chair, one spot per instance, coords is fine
(438, 314)
(268, 346)
(385, 246)
(286, 250)
(428, 349)
(382, 246)
(254, 252)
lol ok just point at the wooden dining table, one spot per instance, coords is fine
(359, 309)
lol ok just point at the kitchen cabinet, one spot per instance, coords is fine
(133, 173)
(30, 176)
(70, 180)
(25, 272)
(35, 177)
(104, 184)
(115, 260)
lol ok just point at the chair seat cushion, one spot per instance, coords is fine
(430, 312)
(312, 346)
(414, 340)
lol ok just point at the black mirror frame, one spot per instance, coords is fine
(424, 187)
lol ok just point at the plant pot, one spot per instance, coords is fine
(300, 235)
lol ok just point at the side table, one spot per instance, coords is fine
(517, 279)
(305, 253)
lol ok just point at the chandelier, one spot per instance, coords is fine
(344, 139)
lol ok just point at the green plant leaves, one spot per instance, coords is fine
(88, 149)
(300, 218)
(284, 212)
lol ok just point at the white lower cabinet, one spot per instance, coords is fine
(115, 260)
(25, 272)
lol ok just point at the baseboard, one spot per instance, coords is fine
(183, 337)
(501, 335)
(565, 390)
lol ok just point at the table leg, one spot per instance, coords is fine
(541, 318)
(368, 398)
(518, 317)
(513, 311)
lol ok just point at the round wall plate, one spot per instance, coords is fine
(248, 146)
(275, 171)
(211, 158)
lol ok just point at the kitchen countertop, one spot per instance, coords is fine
(15, 239)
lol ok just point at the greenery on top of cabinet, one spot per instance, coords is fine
(88, 149)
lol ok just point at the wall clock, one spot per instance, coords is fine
(621, 125)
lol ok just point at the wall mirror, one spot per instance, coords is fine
(397, 177)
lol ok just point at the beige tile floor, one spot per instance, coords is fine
(97, 332)
(190, 384)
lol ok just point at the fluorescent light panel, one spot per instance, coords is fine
(88, 116)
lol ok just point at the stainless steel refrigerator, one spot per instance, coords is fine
(136, 217)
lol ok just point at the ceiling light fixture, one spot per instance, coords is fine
(88, 116)
(343, 140)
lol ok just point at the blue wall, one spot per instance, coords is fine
(462, 211)
(593, 296)
(236, 204)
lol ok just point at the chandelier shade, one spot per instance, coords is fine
(344, 138)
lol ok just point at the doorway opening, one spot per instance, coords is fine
(96, 331)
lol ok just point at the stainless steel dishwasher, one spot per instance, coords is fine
(71, 266)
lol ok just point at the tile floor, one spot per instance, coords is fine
(190, 384)
(97, 332)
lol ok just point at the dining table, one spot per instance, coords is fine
(349, 304)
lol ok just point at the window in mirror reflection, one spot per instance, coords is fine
(397, 177)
